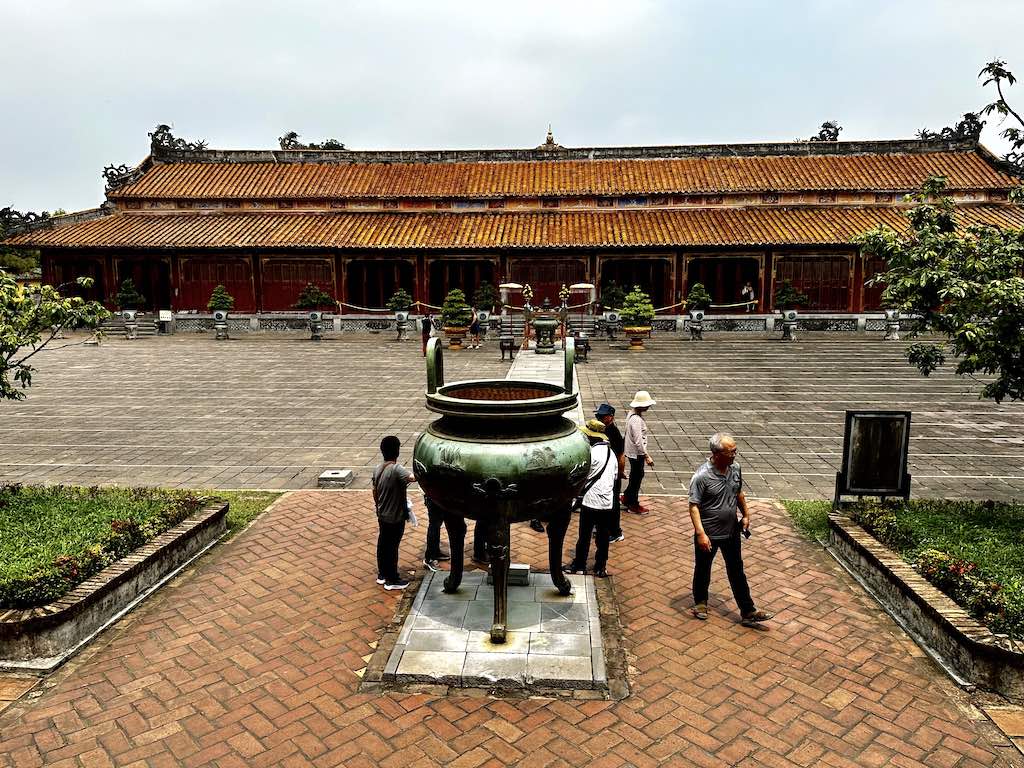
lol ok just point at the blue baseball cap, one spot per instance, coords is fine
(604, 410)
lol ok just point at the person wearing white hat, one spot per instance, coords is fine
(636, 450)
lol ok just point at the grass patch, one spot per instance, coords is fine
(810, 517)
(971, 551)
(54, 538)
(245, 506)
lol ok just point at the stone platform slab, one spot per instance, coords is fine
(554, 641)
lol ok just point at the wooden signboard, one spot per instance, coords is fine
(875, 449)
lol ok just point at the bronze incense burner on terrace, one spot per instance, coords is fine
(502, 452)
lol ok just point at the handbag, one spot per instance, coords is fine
(578, 502)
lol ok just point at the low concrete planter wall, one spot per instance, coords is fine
(42, 638)
(965, 645)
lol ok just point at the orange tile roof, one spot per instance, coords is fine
(553, 229)
(690, 175)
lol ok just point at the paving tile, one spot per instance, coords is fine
(438, 640)
(560, 671)
(431, 666)
(515, 642)
(1009, 719)
(503, 670)
(558, 644)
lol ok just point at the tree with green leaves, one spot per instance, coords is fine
(128, 296)
(31, 319)
(455, 312)
(788, 297)
(612, 295)
(698, 297)
(400, 301)
(220, 300)
(996, 73)
(965, 283)
(312, 297)
(485, 296)
(637, 309)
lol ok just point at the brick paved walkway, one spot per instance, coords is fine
(274, 411)
(251, 658)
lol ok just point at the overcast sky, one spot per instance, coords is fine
(85, 82)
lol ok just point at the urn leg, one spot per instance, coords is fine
(557, 526)
(456, 527)
(498, 546)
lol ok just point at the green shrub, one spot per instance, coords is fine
(612, 296)
(400, 301)
(486, 296)
(788, 297)
(311, 297)
(698, 297)
(221, 300)
(455, 312)
(128, 296)
(637, 309)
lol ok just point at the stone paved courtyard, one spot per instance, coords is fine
(253, 657)
(276, 410)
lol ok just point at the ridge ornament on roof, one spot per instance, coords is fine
(162, 139)
(549, 144)
(118, 176)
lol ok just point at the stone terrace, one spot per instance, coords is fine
(274, 411)
(253, 657)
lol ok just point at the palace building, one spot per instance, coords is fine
(360, 224)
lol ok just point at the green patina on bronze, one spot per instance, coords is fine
(501, 452)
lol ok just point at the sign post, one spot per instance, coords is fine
(875, 449)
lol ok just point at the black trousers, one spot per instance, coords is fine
(389, 536)
(435, 517)
(589, 518)
(731, 551)
(636, 476)
(615, 518)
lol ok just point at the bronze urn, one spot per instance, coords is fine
(502, 452)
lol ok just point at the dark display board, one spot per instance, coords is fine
(875, 448)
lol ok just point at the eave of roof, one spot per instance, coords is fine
(721, 227)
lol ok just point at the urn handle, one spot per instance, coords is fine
(435, 365)
(570, 362)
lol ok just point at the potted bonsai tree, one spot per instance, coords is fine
(129, 300)
(485, 297)
(787, 299)
(313, 298)
(400, 301)
(455, 318)
(698, 298)
(220, 303)
(637, 314)
(612, 296)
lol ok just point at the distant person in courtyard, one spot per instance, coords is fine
(748, 295)
(605, 413)
(433, 555)
(426, 323)
(596, 509)
(474, 330)
(636, 451)
(716, 495)
(390, 484)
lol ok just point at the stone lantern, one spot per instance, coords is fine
(316, 325)
(220, 323)
(789, 322)
(131, 323)
(402, 325)
(696, 325)
(892, 325)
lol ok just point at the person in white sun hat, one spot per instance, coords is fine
(636, 451)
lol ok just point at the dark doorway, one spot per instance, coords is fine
(465, 274)
(724, 277)
(372, 283)
(654, 276)
(152, 278)
(63, 273)
(873, 293)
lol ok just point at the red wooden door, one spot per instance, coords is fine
(200, 276)
(284, 279)
(547, 277)
(825, 280)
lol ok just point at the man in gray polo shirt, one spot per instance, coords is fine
(716, 493)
